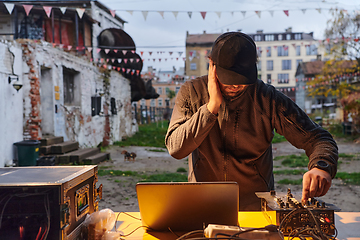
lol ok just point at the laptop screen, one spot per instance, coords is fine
(185, 206)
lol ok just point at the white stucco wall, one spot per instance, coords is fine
(71, 122)
(11, 107)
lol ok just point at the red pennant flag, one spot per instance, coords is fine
(115, 50)
(159, 59)
(98, 50)
(286, 12)
(141, 53)
(133, 51)
(170, 53)
(112, 13)
(125, 60)
(124, 52)
(118, 69)
(47, 10)
(27, 9)
(150, 53)
(203, 14)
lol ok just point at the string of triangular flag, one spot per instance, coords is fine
(48, 9)
(81, 11)
(219, 13)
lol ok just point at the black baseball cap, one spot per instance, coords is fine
(234, 55)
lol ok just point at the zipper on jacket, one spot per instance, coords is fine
(225, 154)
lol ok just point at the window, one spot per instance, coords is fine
(71, 88)
(142, 102)
(283, 78)
(113, 106)
(288, 36)
(269, 65)
(268, 78)
(286, 64)
(297, 50)
(297, 62)
(192, 66)
(258, 65)
(269, 37)
(283, 50)
(177, 89)
(160, 102)
(159, 90)
(259, 51)
(280, 37)
(297, 36)
(268, 51)
(152, 102)
(257, 37)
(167, 90)
(311, 49)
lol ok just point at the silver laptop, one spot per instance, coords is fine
(185, 206)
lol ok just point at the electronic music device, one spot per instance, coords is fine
(292, 215)
(47, 202)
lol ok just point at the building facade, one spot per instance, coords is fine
(64, 92)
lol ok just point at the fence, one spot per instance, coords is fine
(145, 114)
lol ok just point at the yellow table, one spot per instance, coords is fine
(347, 223)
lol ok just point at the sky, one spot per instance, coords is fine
(159, 27)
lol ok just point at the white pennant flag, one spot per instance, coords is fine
(130, 11)
(119, 60)
(80, 12)
(189, 13)
(271, 13)
(303, 10)
(258, 13)
(243, 13)
(319, 10)
(145, 13)
(218, 13)
(131, 60)
(9, 7)
(161, 13)
(63, 10)
(124, 52)
(175, 14)
(107, 51)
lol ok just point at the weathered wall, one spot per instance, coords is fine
(11, 102)
(39, 106)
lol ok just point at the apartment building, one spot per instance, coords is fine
(278, 56)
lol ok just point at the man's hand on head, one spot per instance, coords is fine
(316, 183)
(214, 90)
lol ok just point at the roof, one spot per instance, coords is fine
(316, 67)
(203, 38)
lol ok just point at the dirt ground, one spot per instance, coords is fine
(119, 192)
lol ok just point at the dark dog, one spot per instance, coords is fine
(129, 156)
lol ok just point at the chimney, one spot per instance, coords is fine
(204, 32)
(288, 30)
(259, 31)
(187, 33)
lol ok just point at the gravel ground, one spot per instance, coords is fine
(119, 192)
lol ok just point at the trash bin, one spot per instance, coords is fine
(347, 128)
(27, 152)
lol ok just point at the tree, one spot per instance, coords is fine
(338, 75)
(342, 35)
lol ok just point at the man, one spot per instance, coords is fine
(226, 122)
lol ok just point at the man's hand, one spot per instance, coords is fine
(214, 90)
(316, 183)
